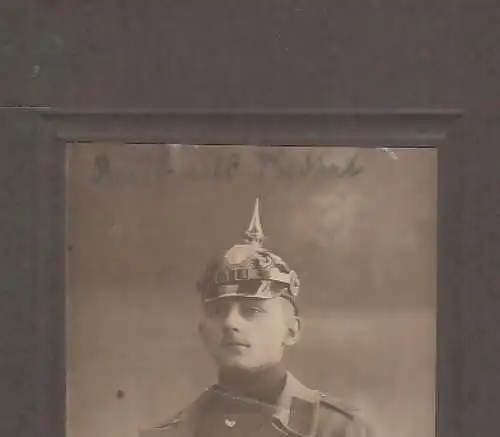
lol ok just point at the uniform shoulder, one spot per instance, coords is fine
(340, 417)
(169, 426)
(173, 420)
(338, 405)
(161, 428)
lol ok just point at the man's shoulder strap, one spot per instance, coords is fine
(180, 423)
(338, 405)
(339, 417)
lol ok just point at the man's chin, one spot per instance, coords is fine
(235, 365)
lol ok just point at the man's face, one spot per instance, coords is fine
(246, 333)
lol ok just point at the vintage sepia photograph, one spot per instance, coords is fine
(249, 290)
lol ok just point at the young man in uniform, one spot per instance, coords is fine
(250, 317)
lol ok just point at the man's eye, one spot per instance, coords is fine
(250, 311)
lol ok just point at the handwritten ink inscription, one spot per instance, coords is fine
(220, 164)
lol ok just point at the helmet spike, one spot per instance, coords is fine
(254, 234)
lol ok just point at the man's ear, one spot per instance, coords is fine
(292, 331)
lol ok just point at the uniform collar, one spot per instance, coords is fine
(297, 408)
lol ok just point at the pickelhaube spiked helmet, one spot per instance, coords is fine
(249, 270)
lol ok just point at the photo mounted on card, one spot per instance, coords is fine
(251, 290)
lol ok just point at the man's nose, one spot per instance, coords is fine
(232, 319)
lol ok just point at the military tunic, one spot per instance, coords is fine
(299, 411)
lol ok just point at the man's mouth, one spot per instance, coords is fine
(235, 343)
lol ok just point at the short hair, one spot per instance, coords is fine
(288, 303)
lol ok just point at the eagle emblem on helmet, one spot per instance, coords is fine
(247, 266)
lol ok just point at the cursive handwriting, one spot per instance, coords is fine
(223, 165)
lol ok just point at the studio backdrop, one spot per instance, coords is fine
(358, 225)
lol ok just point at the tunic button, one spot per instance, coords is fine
(229, 423)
